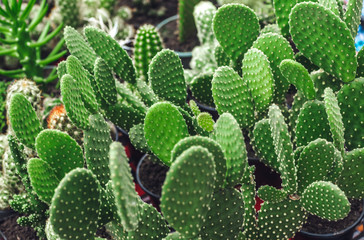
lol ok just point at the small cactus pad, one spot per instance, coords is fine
(312, 123)
(323, 80)
(231, 95)
(263, 144)
(271, 28)
(194, 108)
(351, 103)
(222, 59)
(224, 219)
(201, 89)
(315, 163)
(276, 48)
(325, 200)
(146, 92)
(114, 55)
(352, 16)
(167, 77)
(335, 119)
(332, 5)
(164, 126)
(205, 121)
(284, 149)
(203, 14)
(75, 205)
(228, 134)
(137, 138)
(333, 49)
(60, 151)
(80, 75)
(108, 210)
(236, 23)
(75, 108)
(147, 44)
(105, 81)
(151, 224)
(42, 178)
(352, 179)
(181, 201)
(97, 141)
(24, 120)
(212, 146)
(298, 75)
(280, 220)
(79, 48)
(126, 199)
(258, 74)
(61, 69)
(271, 194)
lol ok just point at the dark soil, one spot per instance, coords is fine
(317, 225)
(152, 176)
(13, 231)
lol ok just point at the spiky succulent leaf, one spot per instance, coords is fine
(108, 210)
(299, 57)
(126, 199)
(164, 126)
(282, 9)
(194, 108)
(323, 80)
(82, 185)
(236, 23)
(205, 121)
(181, 202)
(352, 16)
(24, 120)
(298, 101)
(146, 92)
(222, 59)
(61, 69)
(333, 53)
(167, 77)
(186, 24)
(320, 197)
(105, 81)
(137, 138)
(231, 95)
(116, 230)
(360, 58)
(201, 89)
(271, 194)
(332, 5)
(203, 14)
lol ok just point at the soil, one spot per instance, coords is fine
(152, 176)
(13, 231)
(317, 225)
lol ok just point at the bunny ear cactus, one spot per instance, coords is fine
(352, 16)
(186, 24)
(69, 10)
(323, 80)
(201, 89)
(203, 14)
(105, 82)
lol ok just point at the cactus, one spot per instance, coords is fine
(186, 24)
(203, 15)
(201, 89)
(69, 11)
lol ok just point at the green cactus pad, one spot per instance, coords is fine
(280, 220)
(352, 179)
(114, 55)
(151, 225)
(276, 48)
(228, 134)
(164, 126)
(298, 75)
(24, 120)
(271, 194)
(224, 219)
(167, 78)
(61, 69)
(201, 89)
(205, 121)
(147, 44)
(335, 119)
(108, 210)
(146, 92)
(271, 28)
(333, 53)
(284, 149)
(79, 48)
(263, 144)
(351, 103)
(282, 9)
(236, 23)
(320, 197)
(43, 179)
(126, 199)
(352, 16)
(360, 58)
(299, 57)
(181, 201)
(76, 219)
(332, 5)
(312, 123)
(298, 101)
(212, 146)
(203, 14)
(137, 138)
(174, 236)
(60, 151)
(222, 59)
(258, 74)
(75, 108)
(105, 81)
(97, 141)
(323, 80)
(186, 24)
(315, 163)
(194, 108)
(231, 95)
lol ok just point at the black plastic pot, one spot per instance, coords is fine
(153, 195)
(346, 234)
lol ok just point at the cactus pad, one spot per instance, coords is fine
(360, 58)
(236, 23)
(352, 16)
(323, 80)
(203, 14)
(146, 92)
(137, 138)
(271, 194)
(320, 197)
(205, 121)
(164, 126)
(105, 81)
(60, 151)
(24, 120)
(231, 95)
(282, 9)
(76, 219)
(181, 202)
(222, 59)
(201, 89)
(167, 77)
(335, 53)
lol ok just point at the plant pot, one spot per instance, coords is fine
(210, 110)
(184, 56)
(345, 234)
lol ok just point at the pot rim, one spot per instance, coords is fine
(337, 234)
(139, 181)
(2, 235)
(165, 22)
